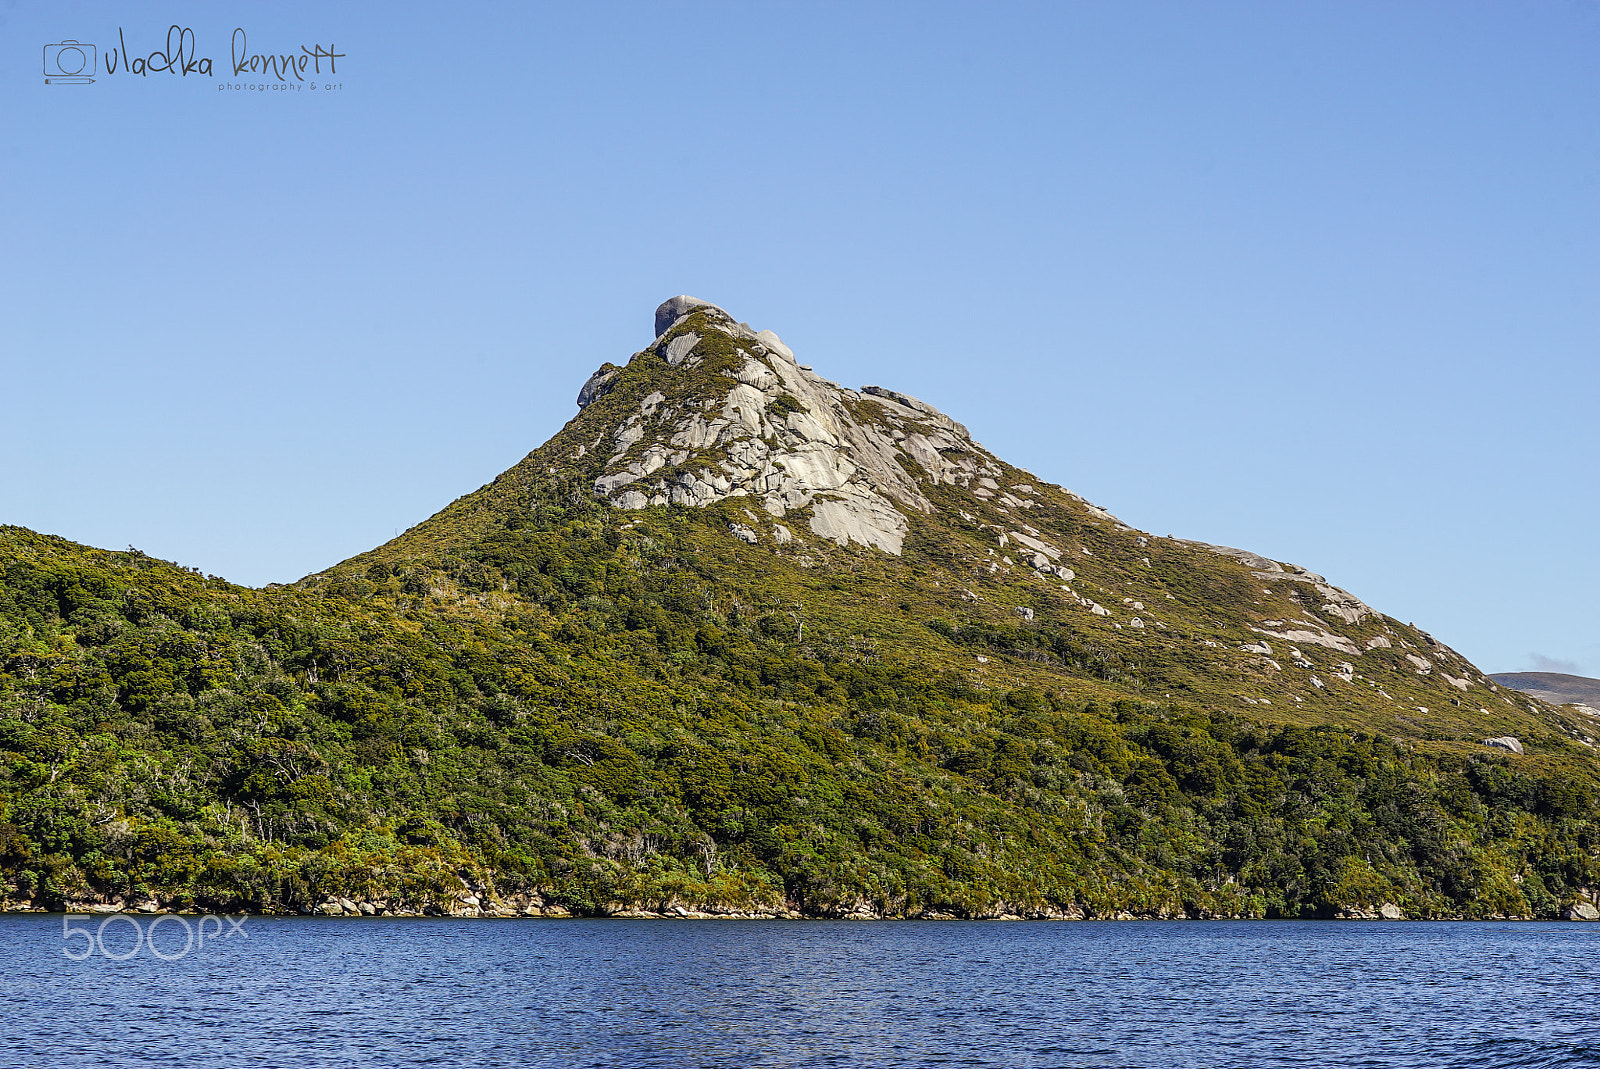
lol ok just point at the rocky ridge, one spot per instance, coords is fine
(783, 436)
(719, 412)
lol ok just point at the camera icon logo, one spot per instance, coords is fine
(69, 63)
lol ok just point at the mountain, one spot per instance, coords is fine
(1557, 688)
(740, 639)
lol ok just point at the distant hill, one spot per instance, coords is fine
(741, 639)
(1557, 688)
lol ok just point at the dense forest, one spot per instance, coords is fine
(625, 731)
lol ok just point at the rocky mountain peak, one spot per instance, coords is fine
(718, 410)
(714, 410)
(672, 309)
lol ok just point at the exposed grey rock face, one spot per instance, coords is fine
(866, 519)
(678, 350)
(671, 309)
(1311, 635)
(1582, 911)
(598, 384)
(819, 451)
(1505, 742)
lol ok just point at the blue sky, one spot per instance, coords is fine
(1317, 280)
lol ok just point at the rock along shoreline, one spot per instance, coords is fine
(469, 906)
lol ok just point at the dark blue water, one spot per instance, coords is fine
(314, 993)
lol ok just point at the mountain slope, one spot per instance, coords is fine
(815, 476)
(739, 638)
(1557, 688)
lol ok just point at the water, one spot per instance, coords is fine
(303, 993)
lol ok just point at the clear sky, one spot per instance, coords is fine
(1314, 279)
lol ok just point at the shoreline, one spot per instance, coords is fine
(1570, 916)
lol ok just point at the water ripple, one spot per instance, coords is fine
(302, 993)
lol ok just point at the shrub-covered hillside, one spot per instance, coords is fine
(561, 704)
